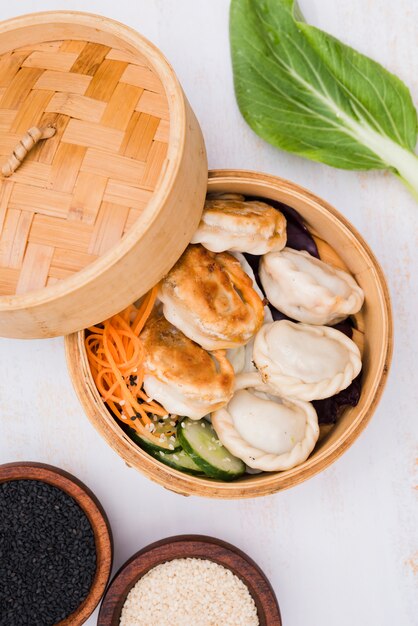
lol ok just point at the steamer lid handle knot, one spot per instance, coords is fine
(30, 139)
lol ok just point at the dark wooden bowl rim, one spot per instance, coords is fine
(190, 546)
(90, 505)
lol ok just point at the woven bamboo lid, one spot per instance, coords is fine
(102, 159)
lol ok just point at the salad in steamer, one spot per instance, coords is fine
(221, 369)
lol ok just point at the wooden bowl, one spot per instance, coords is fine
(375, 318)
(96, 204)
(88, 502)
(190, 546)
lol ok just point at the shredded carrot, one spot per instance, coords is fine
(116, 357)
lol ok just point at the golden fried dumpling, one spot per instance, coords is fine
(182, 376)
(307, 289)
(211, 299)
(241, 225)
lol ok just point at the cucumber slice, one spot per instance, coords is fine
(200, 441)
(179, 461)
(152, 445)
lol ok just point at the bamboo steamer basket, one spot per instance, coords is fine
(113, 151)
(373, 335)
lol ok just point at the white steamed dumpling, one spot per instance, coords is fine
(303, 361)
(267, 433)
(307, 289)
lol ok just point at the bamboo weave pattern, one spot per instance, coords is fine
(78, 193)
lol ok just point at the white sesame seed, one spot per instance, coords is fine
(183, 425)
(190, 591)
(122, 402)
(171, 447)
(203, 425)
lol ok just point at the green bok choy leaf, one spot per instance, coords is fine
(304, 91)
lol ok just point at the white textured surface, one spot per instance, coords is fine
(340, 549)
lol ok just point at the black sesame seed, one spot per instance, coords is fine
(47, 554)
